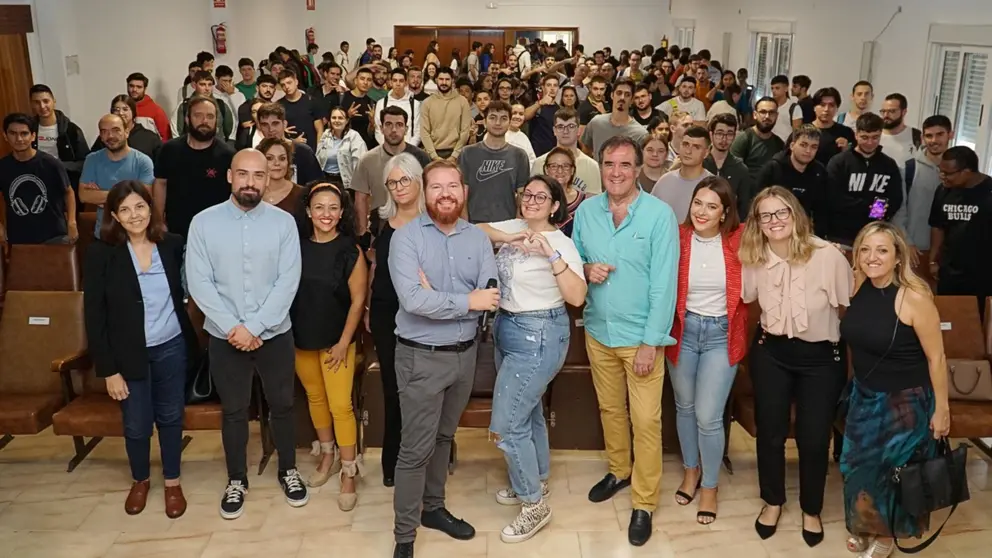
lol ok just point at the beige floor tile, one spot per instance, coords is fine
(546, 544)
(321, 543)
(321, 512)
(614, 544)
(62, 515)
(203, 515)
(63, 544)
(432, 543)
(158, 545)
(573, 512)
(373, 513)
(109, 515)
(250, 544)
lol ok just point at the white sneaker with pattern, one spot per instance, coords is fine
(531, 519)
(507, 497)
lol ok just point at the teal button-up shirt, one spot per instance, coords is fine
(636, 303)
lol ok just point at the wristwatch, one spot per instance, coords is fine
(554, 257)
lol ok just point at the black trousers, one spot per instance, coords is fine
(232, 371)
(382, 322)
(784, 370)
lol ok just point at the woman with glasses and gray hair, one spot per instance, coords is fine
(404, 183)
(539, 271)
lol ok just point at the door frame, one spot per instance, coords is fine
(509, 36)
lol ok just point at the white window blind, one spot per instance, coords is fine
(771, 55)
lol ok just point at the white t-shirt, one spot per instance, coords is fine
(526, 282)
(521, 140)
(783, 126)
(48, 140)
(899, 146)
(694, 107)
(707, 293)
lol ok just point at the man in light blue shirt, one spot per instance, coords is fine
(115, 163)
(629, 242)
(243, 269)
(440, 266)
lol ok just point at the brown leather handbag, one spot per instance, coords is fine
(969, 380)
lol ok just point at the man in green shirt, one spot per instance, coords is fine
(247, 85)
(757, 145)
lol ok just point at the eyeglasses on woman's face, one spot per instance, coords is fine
(558, 167)
(782, 214)
(403, 182)
(538, 198)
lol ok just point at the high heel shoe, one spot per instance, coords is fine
(320, 478)
(350, 470)
(857, 544)
(812, 538)
(766, 531)
(687, 498)
(878, 550)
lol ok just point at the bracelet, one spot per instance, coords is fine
(554, 257)
(564, 269)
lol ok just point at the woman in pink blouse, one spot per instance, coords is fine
(800, 283)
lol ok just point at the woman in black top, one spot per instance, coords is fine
(140, 336)
(899, 398)
(138, 137)
(326, 313)
(405, 202)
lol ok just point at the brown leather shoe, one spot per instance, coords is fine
(175, 502)
(137, 497)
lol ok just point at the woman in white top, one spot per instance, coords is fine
(430, 78)
(539, 271)
(340, 149)
(515, 137)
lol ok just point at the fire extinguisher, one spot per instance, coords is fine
(664, 42)
(219, 33)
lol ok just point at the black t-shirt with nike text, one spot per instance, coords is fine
(965, 216)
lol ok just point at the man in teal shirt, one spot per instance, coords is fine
(629, 243)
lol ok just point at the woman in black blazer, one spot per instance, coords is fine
(140, 336)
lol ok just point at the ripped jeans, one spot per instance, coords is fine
(530, 350)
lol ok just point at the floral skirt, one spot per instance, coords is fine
(884, 430)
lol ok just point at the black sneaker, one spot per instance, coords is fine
(232, 505)
(294, 488)
(442, 520)
(403, 550)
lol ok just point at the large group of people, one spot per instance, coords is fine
(412, 198)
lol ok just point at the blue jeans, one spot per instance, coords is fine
(530, 350)
(159, 399)
(702, 381)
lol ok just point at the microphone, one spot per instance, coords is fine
(491, 284)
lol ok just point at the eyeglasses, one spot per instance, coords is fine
(556, 167)
(566, 127)
(395, 184)
(780, 215)
(947, 174)
(539, 197)
(765, 112)
(724, 135)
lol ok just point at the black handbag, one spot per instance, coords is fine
(199, 385)
(927, 486)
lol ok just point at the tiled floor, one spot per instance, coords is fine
(48, 513)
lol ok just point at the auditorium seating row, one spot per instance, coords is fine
(46, 378)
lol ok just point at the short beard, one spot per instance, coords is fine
(198, 135)
(891, 125)
(764, 128)
(248, 199)
(117, 149)
(444, 218)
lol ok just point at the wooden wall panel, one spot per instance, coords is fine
(450, 38)
(15, 19)
(416, 38)
(15, 78)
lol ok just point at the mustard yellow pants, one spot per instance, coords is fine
(329, 393)
(616, 383)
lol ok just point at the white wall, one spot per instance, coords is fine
(830, 33)
(116, 37)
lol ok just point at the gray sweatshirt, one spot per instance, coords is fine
(921, 192)
(493, 178)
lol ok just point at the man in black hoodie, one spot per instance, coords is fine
(797, 169)
(56, 135)
(864, 184)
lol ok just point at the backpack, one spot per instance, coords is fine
(910, 174)
(412, 114)
(792, 110)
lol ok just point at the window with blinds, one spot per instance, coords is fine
(684, 36)
(960, 89)
(771, 55)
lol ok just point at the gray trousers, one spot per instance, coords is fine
(434, 388)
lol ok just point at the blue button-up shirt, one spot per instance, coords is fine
(161, 322)
(243, 267)
(454, 264)
(636, 303)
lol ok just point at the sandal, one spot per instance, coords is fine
(687, 499)
(350, 469)
(704, 515)
(878, 550)
(857, 544)
(320, 478)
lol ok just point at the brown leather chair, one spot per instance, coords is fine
(964, 338)
(573, 414)
(39, 332)
(86, 223)
(44, 267)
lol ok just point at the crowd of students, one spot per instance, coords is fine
(651, 187)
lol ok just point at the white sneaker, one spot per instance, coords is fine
(531, 519)
(507, 497)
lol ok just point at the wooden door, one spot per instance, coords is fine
(416, 38)
(486, 36)
(448, 39)
(15, 62)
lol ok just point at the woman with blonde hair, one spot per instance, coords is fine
(898, 404)
(339, 149)
(404, 183)
(800, 283)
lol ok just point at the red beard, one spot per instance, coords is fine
(445, 217)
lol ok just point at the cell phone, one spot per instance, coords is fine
(878, 209)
